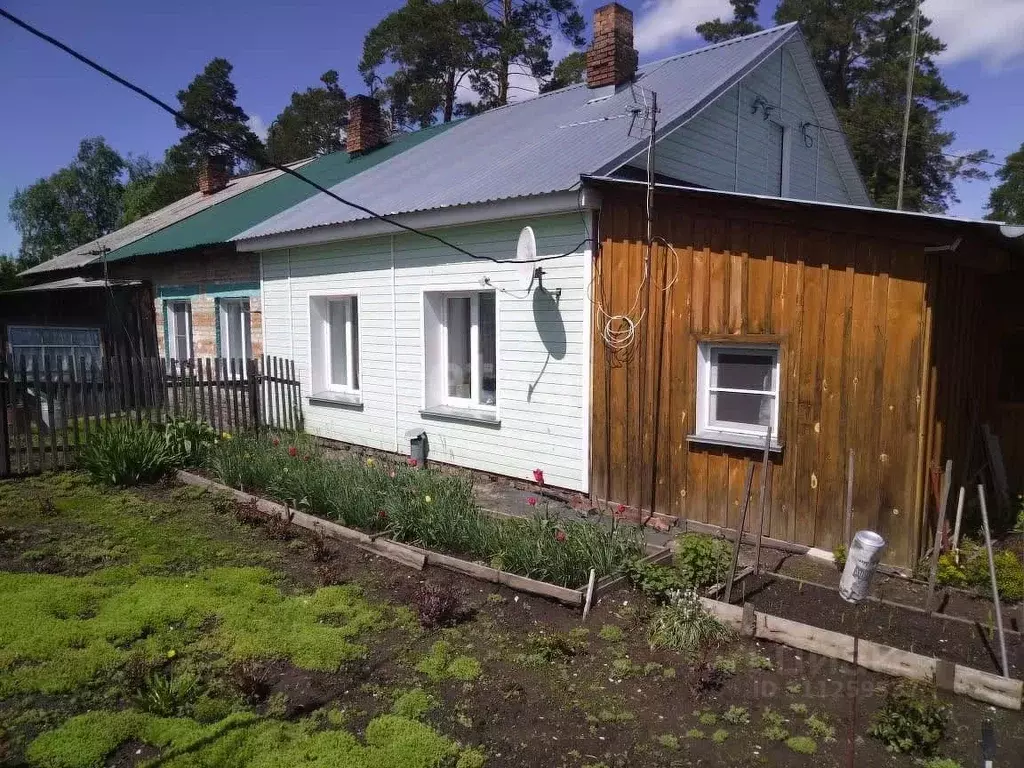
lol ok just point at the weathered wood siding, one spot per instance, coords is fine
(845, 299)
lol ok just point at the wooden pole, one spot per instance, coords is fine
(739, 532)
(848, 519)
(6, 407)
(763, 500)
(590, 593)
(955, 545)
(992, 576)
(940, 524)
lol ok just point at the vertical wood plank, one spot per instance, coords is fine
(201, 386)
(87, 395)
(125, 385)
(6, 407)
(293, 395)
(278, 415)
(211, 396)
(173, 386)
(49, 388)
(235, 412)
(73, 400)
(33, 412)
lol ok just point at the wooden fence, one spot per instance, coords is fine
(52, 405)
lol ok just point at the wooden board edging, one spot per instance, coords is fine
(974, 683)
(406, 554)
(655, 555)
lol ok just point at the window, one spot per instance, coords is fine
(179, 330)
(737, 390)
(61, 346)
(235, 341)
(334, 325)
(460, 350)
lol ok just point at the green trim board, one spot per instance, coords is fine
(226, 290)
(220, 222)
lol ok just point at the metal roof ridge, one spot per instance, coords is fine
(714, 46)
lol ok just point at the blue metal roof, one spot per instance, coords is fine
(536, 146)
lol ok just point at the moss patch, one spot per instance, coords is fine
(442, 663)
(243, 740)
(413, 704)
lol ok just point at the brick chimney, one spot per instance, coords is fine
(611, 59)
(213, 174)
(365, 130)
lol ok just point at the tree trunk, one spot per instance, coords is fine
(449, 95)
(503, 59)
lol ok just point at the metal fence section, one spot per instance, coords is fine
(51, 405)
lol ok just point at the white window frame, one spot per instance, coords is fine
(321, 360)
(707, 351)
(244, 305)
(76, 351)
(439, 395)
(172, 329)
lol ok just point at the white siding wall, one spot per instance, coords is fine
(705, 150)
(542, 398)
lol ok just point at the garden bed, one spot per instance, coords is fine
(518, 681)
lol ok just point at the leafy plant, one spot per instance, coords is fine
(189, 441)
(701, 560)
(655, 581)
(124, 454)
(612, 633)
(439, 605)
(798, 708)
(736, 715)
(803, 745)
(940, 762)
(707, 718)
(684, 625)
(695, 733)
(556, 646)
(839, 555)
(669, 741)
(720, 736)
(911, 720)
(773, 725)
(971, 570)
(168, 694)
(820, 727)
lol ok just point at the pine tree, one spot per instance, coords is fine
(311, 124)
(569, 71)
(743, 22)
(1006, 203)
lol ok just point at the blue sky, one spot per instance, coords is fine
(51, 102)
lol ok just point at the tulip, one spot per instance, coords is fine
(538, 476)
(559, 536)
(293, 451)
(621, 508)
(532, 501)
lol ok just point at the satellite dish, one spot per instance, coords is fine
(526, 253)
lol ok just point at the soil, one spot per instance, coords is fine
(581, 711)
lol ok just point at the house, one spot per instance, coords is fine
(394, 334)
(205, 298)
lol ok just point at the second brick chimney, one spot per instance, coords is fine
(213, 174)
(611, 59)
(365, 129)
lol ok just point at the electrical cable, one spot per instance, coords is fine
(241, 150)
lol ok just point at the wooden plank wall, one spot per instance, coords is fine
(847, 304)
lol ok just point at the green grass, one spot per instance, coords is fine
(442, 663)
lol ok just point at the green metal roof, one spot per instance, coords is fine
(221, 222)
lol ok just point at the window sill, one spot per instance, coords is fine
(734, 441)
(469, 415)
(345, 399)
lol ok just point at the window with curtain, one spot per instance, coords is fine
(461, 349)
(334, 328)
(179, 330)
(235, 331)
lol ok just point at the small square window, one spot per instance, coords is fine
(737, 390)
(334, 327)
(460, 349)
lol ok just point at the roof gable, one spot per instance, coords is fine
(536, 146)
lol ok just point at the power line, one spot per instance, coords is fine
(242, 151)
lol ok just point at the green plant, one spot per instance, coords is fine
(701, 560)
(971, 570)
(471, 758)
(168, 694)
(839, 556)
(655, 581)
(669, 741)
(795, 688)
(720, 736)
(803, 745)
(189, 441)
(122, 453)
(550, 647)
(736, 715)
(757, 661)
(684, 625)
(707, 718)
(820, 727)
(277, 705)
(612, 633)
(911, 720)
(442, 663)
(775, 732)
(940, 762)
(695, 733)
(949, 572)
(413, 704)
(726, 665)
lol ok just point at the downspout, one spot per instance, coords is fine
(394, 342)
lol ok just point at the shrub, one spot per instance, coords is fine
(701, 560)
(911, 720)
(839, 555)
(803, 745)
(821, 728)
(695, 733)
(949, 573)
(973, 571)
(655, 581)
(439, 605)
(122, 453)
(720, 736)
(683, 625)
(189, 442)
(736, 715)
(669, 741)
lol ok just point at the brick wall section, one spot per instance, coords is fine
(205, 271)
(365, 130)
(611, 59)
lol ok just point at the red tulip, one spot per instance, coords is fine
(412, 462)
(532, 501)
(293, 451)
(382, 514)
(276, 442)
(538, 476)
(559, 536)
(621, 508)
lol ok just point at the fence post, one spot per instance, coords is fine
(252, 374)
(6, 404)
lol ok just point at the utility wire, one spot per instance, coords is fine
(243, 152)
